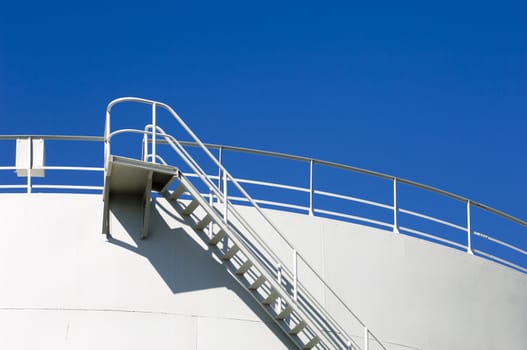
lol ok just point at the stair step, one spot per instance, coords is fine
(204, 222)
(217, 238)
(191, 207)
(231, 252)
(312, 343)
(298, 328)
(244, 268)
(255, 276)
(257, 282)
(284, 313)
(271, 297)
(177, 192)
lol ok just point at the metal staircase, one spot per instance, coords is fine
(235, 242)
(246, 267)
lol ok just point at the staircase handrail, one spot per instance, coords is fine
(176, 145)
(204, 177)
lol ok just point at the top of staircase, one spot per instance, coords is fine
(127, 176)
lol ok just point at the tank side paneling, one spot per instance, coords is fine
(65, 286)
(61, 277)
(412, 292)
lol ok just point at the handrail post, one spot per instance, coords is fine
(366, 338)
(225, 199)
(295, 274)
(395, 207)
(211, 203)
(145, 148)
(311, 190)
(30, 163)
(220, 160)
(106, 140)
(220, 174)
(154, 132)
(469, 230)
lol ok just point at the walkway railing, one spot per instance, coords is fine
(60, 177)
(466, 232)
(469, 226)
(504, 240)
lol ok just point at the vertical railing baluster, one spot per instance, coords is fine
(395, 207)
(220, 160)
(106, 140)
(311, 190)
(225, 199)
(145, 147)
(366, 338)
(30, 163)
(469, 230)
(211, 223)
(222, 182)
(154, 131)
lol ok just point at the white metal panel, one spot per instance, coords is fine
(411, 292)
(30, 155)
(38, 158)
(23, 157)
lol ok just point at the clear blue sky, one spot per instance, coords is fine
(434, 92)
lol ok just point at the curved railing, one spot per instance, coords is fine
(468, 230)
(28, 184)
(310, 207)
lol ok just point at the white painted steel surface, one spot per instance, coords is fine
(30, 157)
(320, 282)
(64, 286)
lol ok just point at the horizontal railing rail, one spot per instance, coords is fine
(61, 183)
(361, 171)
(310, 206)
(466, 229)
(290, 157)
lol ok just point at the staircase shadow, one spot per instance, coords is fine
(181, 260)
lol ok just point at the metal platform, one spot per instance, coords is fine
(134, 179)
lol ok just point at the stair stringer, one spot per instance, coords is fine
(312, 335)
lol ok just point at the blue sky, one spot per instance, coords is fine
(433, 92)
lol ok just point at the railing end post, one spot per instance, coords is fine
(154, 132)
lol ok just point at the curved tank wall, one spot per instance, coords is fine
(65, 286)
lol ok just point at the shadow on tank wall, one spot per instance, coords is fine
(178, 255)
